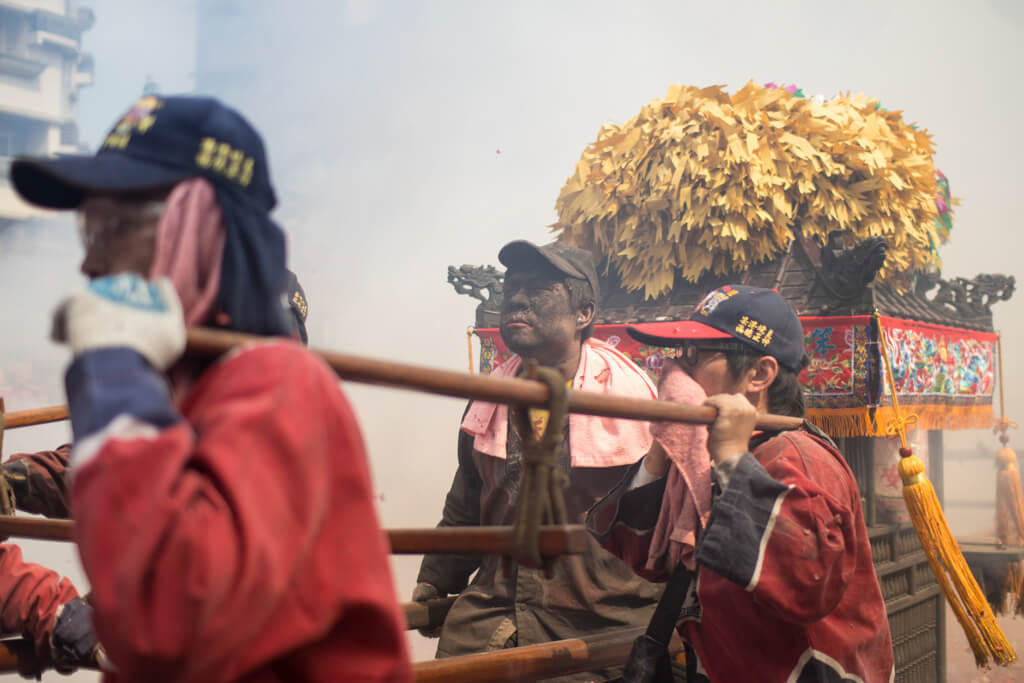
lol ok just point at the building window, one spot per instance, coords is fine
(69, 134)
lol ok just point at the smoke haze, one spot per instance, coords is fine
(408, 136)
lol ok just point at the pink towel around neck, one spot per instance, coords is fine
(593, 441)
(190, 247)
(687, 502)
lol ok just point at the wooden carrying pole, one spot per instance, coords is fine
(536, 662)
(570, 539)
(17, 651)
(9, 650)
(448, 383)
(531, 663)
(36, 416)
(429, 614)
(484, 388)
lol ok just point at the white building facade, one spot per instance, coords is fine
(42, 69)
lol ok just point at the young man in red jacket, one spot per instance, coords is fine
(224, 510)
(784, 588)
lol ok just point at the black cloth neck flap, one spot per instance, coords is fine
(253, 275)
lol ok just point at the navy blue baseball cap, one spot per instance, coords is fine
(157, 143)
(758, 318)
(161, 141)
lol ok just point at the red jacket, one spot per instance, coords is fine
(237, 540)
(29, 598)
(785, 589)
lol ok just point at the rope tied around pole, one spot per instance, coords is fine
(540, 490)
(962, 592)
(7, 508)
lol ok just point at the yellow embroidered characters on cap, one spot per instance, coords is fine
(755, 331)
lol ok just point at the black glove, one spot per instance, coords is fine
(424, 592)
(74, 640)
(30, 665)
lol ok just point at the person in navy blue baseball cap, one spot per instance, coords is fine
(157, 144)
(230, 497)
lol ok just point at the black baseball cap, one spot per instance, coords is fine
(759, 318)
(577, 263)
(161, 141)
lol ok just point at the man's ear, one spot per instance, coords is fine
(585, 315)
(761, 376)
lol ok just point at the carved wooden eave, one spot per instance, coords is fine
(817, 281)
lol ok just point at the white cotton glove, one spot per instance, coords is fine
(124, 310)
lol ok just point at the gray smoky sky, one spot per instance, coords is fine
(407, 136)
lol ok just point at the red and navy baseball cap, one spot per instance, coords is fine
(161, 141)
(758, 318)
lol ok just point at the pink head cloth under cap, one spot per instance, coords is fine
(190, 247)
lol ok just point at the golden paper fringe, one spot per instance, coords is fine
(703, 181)
(846, 422)
(840, 423)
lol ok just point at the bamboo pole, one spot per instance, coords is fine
(365, 370)
(536, 662)
(568, 539)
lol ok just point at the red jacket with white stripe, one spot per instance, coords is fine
(235, 540)
(785, 589)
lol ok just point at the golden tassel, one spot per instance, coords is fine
(947, 562)
(469, 345)
(1009, 500)
(1009, 503)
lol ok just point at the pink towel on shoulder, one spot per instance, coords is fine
(687, 502)
(593, 441)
